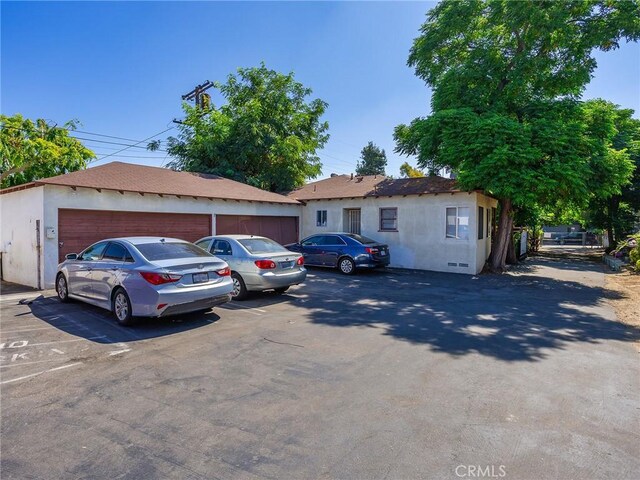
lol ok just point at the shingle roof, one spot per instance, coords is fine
(128, 177)
(344, 186)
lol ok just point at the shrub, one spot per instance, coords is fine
(631, 247)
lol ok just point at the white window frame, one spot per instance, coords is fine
(319, 219)
(457, 237)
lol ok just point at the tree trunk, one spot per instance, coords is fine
(512, 257)
(498, 257)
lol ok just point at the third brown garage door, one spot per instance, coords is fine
(77, 229)
(281, 229)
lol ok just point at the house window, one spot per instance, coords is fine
(321, 218)
(481, 223)
(458, 223)
(388, 219)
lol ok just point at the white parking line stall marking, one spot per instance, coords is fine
(20, 364)
(245, 309)
(40, 373)
(33, 329)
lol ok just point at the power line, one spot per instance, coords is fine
(132, 156)
(95, 140)
(103, 135)
(141, 141)
(111, 143)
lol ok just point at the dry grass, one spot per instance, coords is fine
(623, 291)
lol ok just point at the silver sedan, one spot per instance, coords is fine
(257, 263)
(145, 277)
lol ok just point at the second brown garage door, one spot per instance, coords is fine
(77, 229)
(281, 229)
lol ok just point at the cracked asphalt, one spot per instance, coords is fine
(382, 375)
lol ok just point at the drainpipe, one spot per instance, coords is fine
(38, 250)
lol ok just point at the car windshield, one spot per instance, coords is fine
(361, 239)
(261, 245)
(170, 250)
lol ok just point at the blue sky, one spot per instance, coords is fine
(120, 68)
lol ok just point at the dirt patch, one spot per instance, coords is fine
(623, 291)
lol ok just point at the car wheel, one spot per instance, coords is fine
(62, 289)
(347, 266)
(239, 288)
(281, 290)
(121, 307)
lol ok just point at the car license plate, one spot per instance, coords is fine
(286, 264)
(382, 253)
(200, 277)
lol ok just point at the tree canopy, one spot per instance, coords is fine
(618, 153)
(407, 171)
(506, 117)
(373, 160)
(266, 134)
(32, 150)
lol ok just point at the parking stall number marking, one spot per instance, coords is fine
(13, 357)
(15, 344)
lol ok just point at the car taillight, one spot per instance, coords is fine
(371, 250)
(160, 278)
(265, 264)
(225, 272)
(300, 261)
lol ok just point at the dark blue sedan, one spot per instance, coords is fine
(346, 251)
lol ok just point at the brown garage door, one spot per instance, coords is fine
(77, 229)
(281, 229)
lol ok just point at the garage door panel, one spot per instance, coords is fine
(78, 229)
(281, 229)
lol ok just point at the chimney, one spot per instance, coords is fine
(352, 176)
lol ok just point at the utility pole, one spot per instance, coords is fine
(200, 98)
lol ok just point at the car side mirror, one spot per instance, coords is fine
(71, 256)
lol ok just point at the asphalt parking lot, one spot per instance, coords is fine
(382, 375)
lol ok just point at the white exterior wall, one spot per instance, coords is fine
(56, 197)
(484, 244)
(420, 242)
(18, 213)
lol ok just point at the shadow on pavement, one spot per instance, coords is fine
(98, 325)
(510, 317)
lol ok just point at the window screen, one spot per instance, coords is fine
(457, 225)
(389, 219)
(321, 218)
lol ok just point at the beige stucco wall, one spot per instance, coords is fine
(484, 245)
(56, 197)
(18, 214)
(420, 242)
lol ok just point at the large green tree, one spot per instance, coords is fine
(266, 133)
(617, 153)
(373, 160)
(506, 77)
(33, 150)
